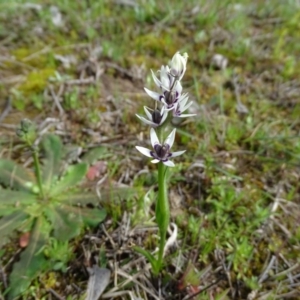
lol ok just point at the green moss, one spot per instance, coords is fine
(158, 44)
(36, 81)
(21, 53)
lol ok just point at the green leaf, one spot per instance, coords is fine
(80, 198)
(52, 147)
(73, 176)
(95, 154)
(9, 223)
(15, 176)
(32, 261)
(148, 255)
(92, 216)
(65, 222)
(15, 198)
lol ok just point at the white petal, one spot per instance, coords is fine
(167, 69)
(144, 151)
(183, 99)
(177, 153)
(155, 161)
(164, 115)
(176, 62)
(185, 107)
(156, 80)
(164, 78)
(170, 139)
(169, 163)
(186, 115)
(149, 115)
(147, 121)
(153, 137)
(153, 95)
(178, 87)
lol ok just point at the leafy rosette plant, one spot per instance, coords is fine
(42, 204)
(170, 102)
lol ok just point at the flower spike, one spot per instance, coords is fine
(169, 82)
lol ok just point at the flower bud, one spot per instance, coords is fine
(25, 125)
(27, 132)
(178, 65)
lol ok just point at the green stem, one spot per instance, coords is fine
(38, 171)
(162, 212)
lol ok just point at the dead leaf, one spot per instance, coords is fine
(98, 281)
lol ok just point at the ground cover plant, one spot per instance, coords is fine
(77, 69)
(42, 205)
